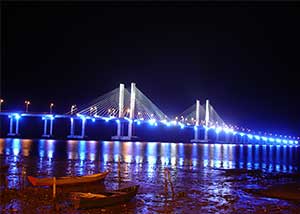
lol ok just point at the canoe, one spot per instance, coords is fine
(70, 180)
(90, 200)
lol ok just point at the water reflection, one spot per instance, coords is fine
(50, 157)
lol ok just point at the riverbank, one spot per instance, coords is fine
(229, 192)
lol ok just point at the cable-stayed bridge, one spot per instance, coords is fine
(129, 107)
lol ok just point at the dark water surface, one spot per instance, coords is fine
(195, 169)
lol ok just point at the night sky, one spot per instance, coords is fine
(244, 57)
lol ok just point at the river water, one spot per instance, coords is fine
(196, 170)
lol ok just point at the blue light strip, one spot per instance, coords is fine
(261, 138)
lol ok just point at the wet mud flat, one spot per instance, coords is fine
(184, 189)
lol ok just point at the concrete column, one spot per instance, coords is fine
(121, 100)
(197, 119)
(17, 126)
(121, 107)
(45, 126)
(72, 127)
(206, 119)
(51, 126)
(132, 105)
(83, 128)
(11, 121)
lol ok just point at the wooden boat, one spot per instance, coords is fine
(70, 180)
(90, 200)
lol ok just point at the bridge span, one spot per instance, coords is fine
(130, 107)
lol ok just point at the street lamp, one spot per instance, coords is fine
(27, 102)
(51, 106)
(1, 101)
(73, 108)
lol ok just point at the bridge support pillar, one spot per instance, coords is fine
(119, 129)
(217, 136)
(45, 127)
(131, 113)
(206, 120)
(196, 127)
(120, 134)
(11, 121)
(11, 126)
(51, 127)
(46, 134)
(72, 129)
(83, 128)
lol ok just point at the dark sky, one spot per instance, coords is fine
(244, 57)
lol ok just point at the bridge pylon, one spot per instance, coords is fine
(197, 125)
(120, 124)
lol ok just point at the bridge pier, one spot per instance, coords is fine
(131, 115)
(217, 136)
(11, 125)
(206, 120)
(196, 127)
(196, 131)
(72, 129)
(46, 134)
(120, 134)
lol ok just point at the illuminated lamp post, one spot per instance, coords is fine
(51, 106)
(1, 101)
(73, 108)
(27, 103)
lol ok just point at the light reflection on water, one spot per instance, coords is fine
(50, 157)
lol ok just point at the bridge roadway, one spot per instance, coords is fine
(229, 135)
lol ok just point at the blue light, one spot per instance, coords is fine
(250, 136)
(182, 126)
(49, 116)
(257, 137)
(174, 122)
(264, 138)
(278, 140)
(93, 119)
(296, 142)
(291, 142)
(242, 134)
(138, 122)
(118, 121)
(219, 129)
(17, 116)
(271, 139)
(284, 141)
(152, 122)
(195, 128)
(227, 130)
